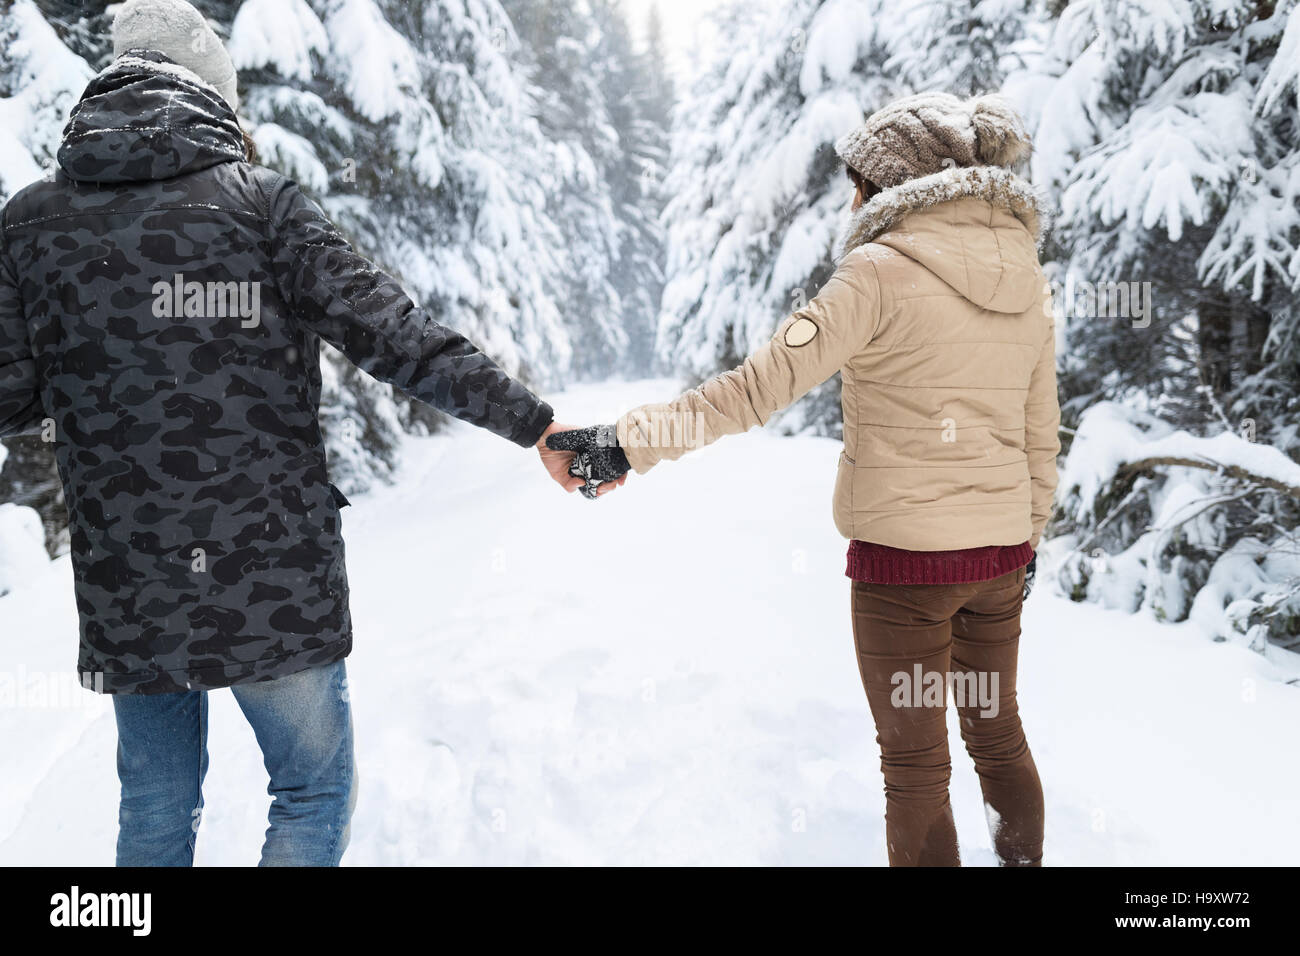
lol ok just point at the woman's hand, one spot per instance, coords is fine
(596, 457)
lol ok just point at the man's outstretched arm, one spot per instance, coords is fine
(364, 313)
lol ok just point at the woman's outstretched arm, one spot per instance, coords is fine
(808, 348)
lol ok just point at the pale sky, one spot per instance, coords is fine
(681, 20)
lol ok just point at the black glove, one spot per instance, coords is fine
(597, 456)
(1030, 570)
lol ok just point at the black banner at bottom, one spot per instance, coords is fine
(216, 905)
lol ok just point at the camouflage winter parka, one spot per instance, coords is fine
(161, 307)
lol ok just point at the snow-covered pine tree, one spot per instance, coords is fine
(1169, 134)
(40, 80)
(965, 47)
(559, 37)
(639, 98)
(598, 108)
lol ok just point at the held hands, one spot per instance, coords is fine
(597, 463)
(557, 463)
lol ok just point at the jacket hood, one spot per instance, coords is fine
(146, 118)
(976, 228)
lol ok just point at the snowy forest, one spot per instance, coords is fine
(538, 175)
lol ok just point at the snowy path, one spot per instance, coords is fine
(667, 676)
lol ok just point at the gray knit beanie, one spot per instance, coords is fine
(924, 134)
(180, 33)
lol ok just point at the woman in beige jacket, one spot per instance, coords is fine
(939, 319)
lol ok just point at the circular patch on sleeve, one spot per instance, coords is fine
(800, 332)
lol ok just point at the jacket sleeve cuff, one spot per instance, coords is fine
(530, 430)
(635, 447)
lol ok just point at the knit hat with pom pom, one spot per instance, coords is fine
(927, 133)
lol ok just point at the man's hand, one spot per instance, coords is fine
(597, 457)
(557, 463)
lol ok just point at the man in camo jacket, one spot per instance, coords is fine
(161, 306)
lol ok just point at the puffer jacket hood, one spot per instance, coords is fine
(145, 119)
(947, 221)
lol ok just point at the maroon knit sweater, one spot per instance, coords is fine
(878, 564)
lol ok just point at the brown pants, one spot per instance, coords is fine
(909, 639)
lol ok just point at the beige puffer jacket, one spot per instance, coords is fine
(939, 317)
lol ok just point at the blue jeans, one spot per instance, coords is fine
(304, 726)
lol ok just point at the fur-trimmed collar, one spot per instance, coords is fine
(889, 207)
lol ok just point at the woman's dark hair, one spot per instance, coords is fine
(862, 183)
(249, 146)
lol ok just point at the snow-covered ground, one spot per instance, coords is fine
(666, 676)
